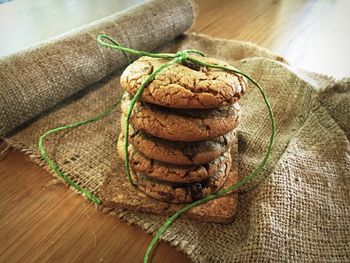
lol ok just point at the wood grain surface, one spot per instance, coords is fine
(44, 221)
(313, 35)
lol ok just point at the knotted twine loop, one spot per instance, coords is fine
(179, 57)
(183, 55)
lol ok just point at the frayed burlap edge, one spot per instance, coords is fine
(172, 238)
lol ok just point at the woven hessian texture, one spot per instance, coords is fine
(37, 79)
(297, 210)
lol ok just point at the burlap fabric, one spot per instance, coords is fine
(297, 210)
(37, 79)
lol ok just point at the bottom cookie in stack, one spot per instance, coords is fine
(117, 192)
(178, 193)
(176, 183)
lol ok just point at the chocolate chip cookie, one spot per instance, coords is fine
(185, 85)
(182, 125)
(181, 192)
(180, 153)
(170, 172)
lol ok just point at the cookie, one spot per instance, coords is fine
(116, 192)
(185, 85)
(179, 153)
(170, 172)
(182, 125)
(181, 192)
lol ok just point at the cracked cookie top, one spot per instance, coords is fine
(185, 85)
(182, 125)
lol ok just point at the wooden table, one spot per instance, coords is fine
(41, 220)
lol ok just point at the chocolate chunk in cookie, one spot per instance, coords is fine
(181, 192)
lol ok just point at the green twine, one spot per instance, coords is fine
(129, 112)
(90, 196)
(43, 153)
(182, 56)
(231, 188)
(179, 57)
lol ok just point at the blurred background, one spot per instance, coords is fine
(311, 34)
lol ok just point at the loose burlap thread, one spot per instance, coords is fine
(296, 210)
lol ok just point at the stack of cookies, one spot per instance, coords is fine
(181, 129)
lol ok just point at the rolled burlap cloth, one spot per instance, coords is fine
(37, 79)
(296, 210)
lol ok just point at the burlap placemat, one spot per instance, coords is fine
(296, 210)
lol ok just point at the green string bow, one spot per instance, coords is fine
(179, 57)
